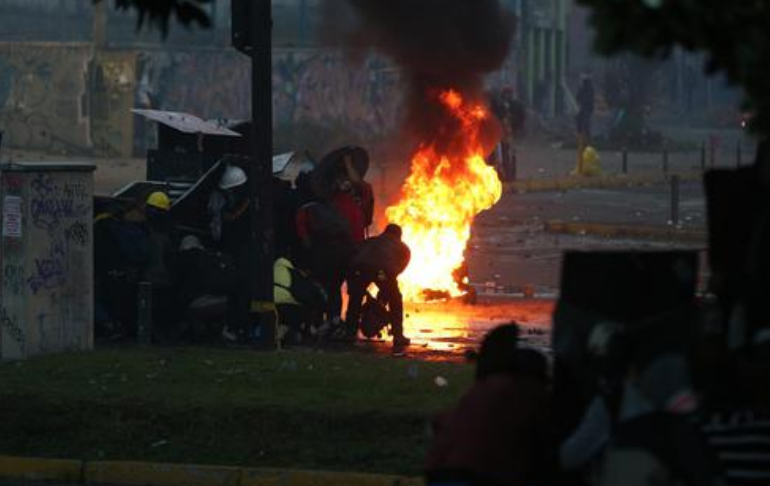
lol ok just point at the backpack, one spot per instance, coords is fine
(217, 271)
(374, 317)
(326, 222)
(306, 291)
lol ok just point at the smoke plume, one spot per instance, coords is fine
(438, 44)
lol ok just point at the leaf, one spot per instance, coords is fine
(158, 14)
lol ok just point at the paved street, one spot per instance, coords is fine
(511, 248)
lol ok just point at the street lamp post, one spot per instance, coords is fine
(260, 173)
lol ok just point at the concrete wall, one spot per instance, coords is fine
(43, 96)
(47, 261)
(55, 98)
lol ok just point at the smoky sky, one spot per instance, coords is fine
(438, 44)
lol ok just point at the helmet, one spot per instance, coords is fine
(159, 200)
(232, 177)
(190, 242)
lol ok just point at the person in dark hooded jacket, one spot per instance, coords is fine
(380, 260)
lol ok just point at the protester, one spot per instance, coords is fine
(736, 421)
(333, 222)
(353, 196)
(120, 252)
(286, 203)
(586, 99)
(512, 116)
(325, 235)
(159, 265)
(296, 298)
(379, 261)
(230, 211)
(498, 435)
(654, 439)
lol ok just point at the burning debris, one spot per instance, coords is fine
(445, 191)
(445, 48)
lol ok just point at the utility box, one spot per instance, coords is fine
(47, 291)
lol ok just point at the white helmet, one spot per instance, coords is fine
(233, 177)
(191, 242)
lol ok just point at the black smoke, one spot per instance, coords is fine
(438, 44)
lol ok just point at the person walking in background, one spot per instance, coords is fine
(512, 116)
(586, 99)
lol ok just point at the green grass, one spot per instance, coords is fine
(332, 411)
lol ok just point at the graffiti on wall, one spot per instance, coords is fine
(318, 87)
(42, 96)
(50, 101)
(58, 271)
(324, 88)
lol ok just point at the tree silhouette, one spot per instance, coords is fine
(159, 13)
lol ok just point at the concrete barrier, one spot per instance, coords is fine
(627, 231)
(598, 182)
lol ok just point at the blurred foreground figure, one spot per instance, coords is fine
(499, 432)
(655, 439)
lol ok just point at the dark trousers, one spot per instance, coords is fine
(239, 298)
(117, 299)
(583, 122)
(388, 294)
(507, 162)
(329, 266)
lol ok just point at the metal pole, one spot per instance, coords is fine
(100, 25)
(144, 313)
(713, 151)
(665, 160)
(625, 160)
(303, 22)
(260, 174)
(675, 199)
(703, 156)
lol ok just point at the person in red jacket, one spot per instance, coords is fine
(498, 435)
(354, 199)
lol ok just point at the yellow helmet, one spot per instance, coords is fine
(159, 200)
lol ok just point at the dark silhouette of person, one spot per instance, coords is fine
(499, 432)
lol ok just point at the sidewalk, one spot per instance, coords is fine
(119, 473)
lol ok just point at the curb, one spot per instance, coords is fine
(134, 473)
(599, 182)
(635, 231)
(30, 469)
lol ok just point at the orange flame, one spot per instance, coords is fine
(441, 198)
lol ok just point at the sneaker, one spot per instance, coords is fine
(400, 342)
(321, 330)
(283, 331)
(229, 335)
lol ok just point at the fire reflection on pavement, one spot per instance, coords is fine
(447, 331)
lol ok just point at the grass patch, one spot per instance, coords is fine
(307, 410)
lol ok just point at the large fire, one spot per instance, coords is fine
(440, 199)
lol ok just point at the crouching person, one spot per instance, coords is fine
(297, 298)
(379, 261)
